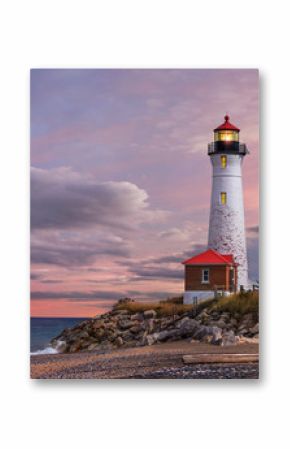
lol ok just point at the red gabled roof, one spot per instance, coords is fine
(227, 125)
(210, 257)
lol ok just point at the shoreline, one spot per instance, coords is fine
(161, 361)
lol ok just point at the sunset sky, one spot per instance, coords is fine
(121, 179)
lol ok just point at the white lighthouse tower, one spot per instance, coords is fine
(227, 225)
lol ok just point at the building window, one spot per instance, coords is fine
(205, 276)
(223, 161)
(223, 197)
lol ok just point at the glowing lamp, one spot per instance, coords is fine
(227, 132)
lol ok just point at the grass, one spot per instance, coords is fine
(162, 308)
(241, 303)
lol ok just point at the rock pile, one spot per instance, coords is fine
(120, 327)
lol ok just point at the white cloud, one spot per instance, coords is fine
(64, 199)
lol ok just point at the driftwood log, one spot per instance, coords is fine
(220, 358)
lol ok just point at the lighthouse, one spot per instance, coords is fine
(226, 232)
(223, 267)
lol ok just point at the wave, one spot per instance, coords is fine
(48, 350)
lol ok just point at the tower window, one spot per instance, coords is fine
(205, 276)
(223, 197)
(223, 161)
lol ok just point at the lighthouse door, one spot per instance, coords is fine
(232, 279)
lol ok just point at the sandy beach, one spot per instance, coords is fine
(162, 361)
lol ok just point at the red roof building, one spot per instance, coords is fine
(210, 257)
(208, 273)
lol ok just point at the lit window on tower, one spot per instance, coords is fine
(223, 197)
(223, 161)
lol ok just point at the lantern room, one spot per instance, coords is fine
(226, 132)
(226, 139)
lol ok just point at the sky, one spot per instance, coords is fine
(121, 180)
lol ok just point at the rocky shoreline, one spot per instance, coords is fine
(158, 361)
(122, 328)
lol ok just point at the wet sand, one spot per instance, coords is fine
(152, 362)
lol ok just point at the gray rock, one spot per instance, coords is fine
(229, 338)
(254, 329)
(216, 335)
(181, 322)
(200, 332)
(150, 325)
(149, 314)
(243, 331)
(83, 334)
(166, 322)
(126, 335)
(137, 316)
(221, 323)
(188, 327)
(203, 315)
(125, 324)
(166, 334)
(150, 339)
(161, 336)
(98, 324)
(119, 341)
(136, 328)
(93, 346)
(120, 312)
(110, 326)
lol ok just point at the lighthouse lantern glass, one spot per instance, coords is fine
(226, 135)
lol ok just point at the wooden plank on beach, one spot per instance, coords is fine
(220, 358)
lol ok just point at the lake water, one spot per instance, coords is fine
(42, 330)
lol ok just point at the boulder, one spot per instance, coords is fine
(75, 346)
(125, 324)
(120, 312)
(98, 324)
(166, 334)
(180, 323)
(150, 339)
(206, 339)
(150, 325)
(229, 338)
(254, 329)
(200, 332)
(83, 334)
(189, 327)
(110, 326)
(119, 341)
(137, 317)
(166, 322)
(149, 314)
(203, 315)
(92, 346)
(126, 335)
(216, 335)
(136, 328)
(221, 323)
(233, 322)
